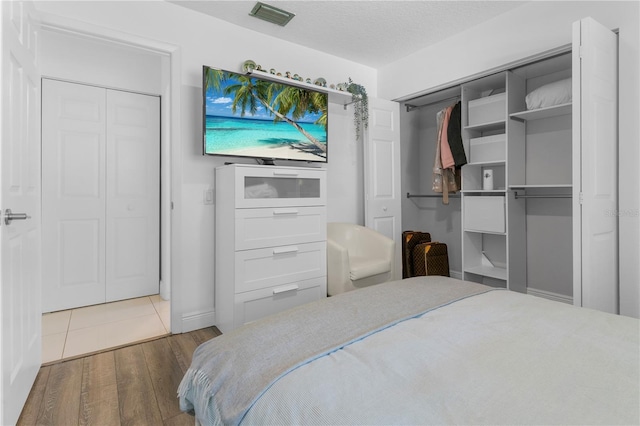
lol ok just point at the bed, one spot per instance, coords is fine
(424, 350)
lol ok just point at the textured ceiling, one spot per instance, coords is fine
(372, 33)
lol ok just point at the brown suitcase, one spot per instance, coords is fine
(430, 258)
(410, 239)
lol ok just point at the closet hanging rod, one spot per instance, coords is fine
(450, 98)
(541, 196)
(430, 196)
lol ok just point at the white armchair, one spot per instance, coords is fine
(357, 257)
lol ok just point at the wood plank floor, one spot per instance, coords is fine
(134, 385)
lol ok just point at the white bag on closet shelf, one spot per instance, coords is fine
(556, 93)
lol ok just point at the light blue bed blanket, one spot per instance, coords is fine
(230, 372)
(497, 358)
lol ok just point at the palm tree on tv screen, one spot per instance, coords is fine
(281, 100)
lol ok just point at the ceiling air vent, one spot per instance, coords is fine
(271, 14)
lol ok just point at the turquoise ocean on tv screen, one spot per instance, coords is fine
(226, 134)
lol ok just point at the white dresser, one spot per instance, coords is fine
(270, 236)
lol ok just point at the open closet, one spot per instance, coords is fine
(539, 190)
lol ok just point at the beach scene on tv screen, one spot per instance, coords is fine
(250, 117)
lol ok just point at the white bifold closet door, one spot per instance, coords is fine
(595, 166)
(101, 174)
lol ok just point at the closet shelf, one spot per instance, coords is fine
(538, 114)
(483, 191)
(487, 163)
(485, 127)
(519, 196)
(488, 271)
(484, 232)
(549, 186)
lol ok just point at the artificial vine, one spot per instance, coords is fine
(360, 105)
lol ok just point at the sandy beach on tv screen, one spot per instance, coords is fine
(278, 152)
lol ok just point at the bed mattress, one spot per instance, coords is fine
(492, 357)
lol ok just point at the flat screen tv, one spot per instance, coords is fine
(249, 115)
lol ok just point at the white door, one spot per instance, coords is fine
(20, 302)
(133, 195)
(382, 173)
(73, 194)
(595, 147)
(100, 195)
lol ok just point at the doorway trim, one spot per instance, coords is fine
(170, 145)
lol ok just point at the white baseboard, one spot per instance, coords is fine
(550, 295)
(455, 274)
(197, 320)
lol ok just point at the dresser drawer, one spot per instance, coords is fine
(266, 267)
(253, 305)
(279, 187)
(278, 226)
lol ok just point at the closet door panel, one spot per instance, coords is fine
(595, 157)
(133, 191)
(73, 195)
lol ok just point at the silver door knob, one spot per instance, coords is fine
(9, 216)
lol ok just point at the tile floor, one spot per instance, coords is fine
(67, 334)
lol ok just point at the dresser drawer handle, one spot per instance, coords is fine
(282, 250)
(286, 288)
(285, 211)
(285, 173)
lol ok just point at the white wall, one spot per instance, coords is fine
(91, 61)
(527, 30)
(345, 169)
(203, 40)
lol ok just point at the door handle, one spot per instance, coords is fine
(9, 216)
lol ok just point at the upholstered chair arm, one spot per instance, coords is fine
(368, 245)
(337, 268)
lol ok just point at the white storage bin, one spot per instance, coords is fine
(484, 214)
(488, 109)
(487, 149)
